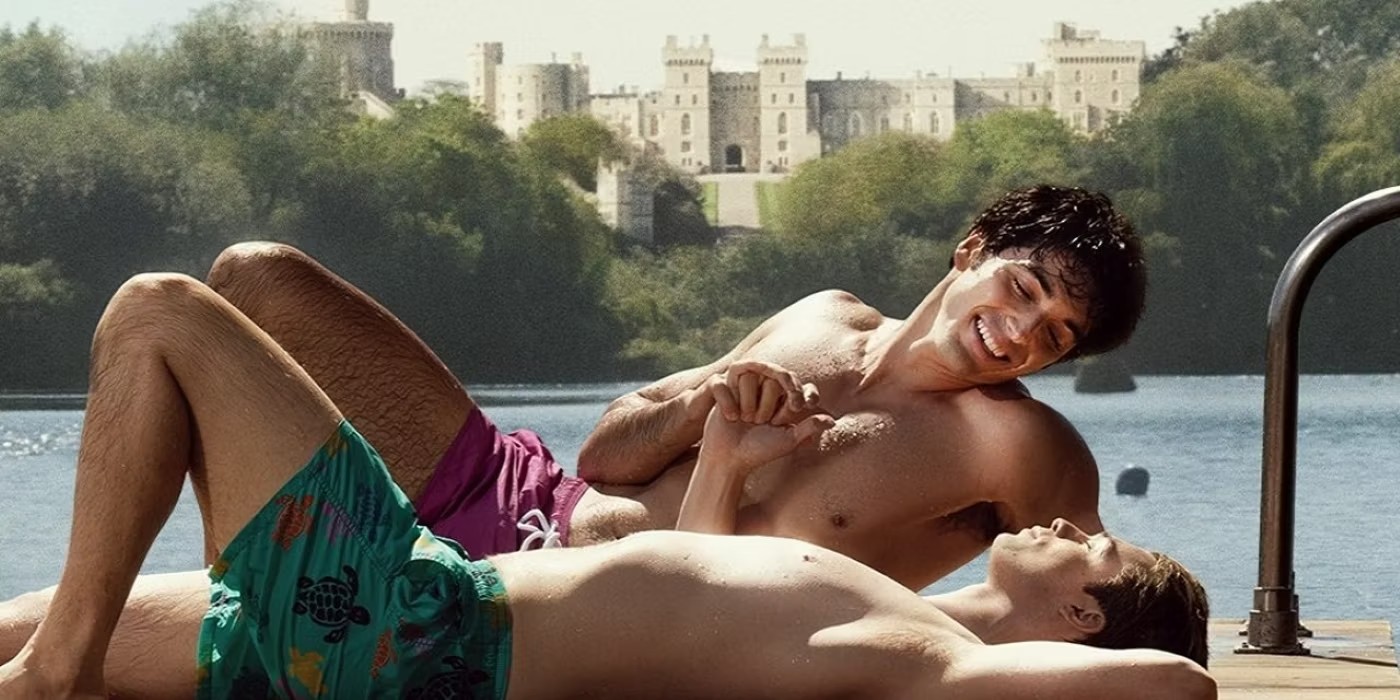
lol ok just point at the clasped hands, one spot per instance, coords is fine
(760, 412)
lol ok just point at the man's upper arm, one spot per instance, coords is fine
(597, 460)
(1047, 471)
(1051, 670)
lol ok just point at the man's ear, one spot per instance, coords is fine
(968, 252)
(1083, 616)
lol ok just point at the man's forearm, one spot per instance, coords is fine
(711, 503)
(637, 439)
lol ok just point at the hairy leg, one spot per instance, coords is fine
(385, 380)
(152, 650)
(181, 382)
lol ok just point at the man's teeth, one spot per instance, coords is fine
(992, 346)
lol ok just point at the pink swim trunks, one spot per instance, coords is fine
(495, 492)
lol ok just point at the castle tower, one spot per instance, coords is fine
(483, 69)
(356, 11)
(783, 111)
(685, 104)
(1095, 80)
(363, 50)
(528, 92)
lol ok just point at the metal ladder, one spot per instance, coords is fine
(1273, 623)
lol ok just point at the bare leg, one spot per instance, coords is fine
(151, 654)
(181, 382)
(386, 381)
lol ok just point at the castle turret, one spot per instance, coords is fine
(356, 11)
(1095, 80)
(783, 109)
(483, 70)
(363, 50)
(685, 104)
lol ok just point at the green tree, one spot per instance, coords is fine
(478, 247)
(87, 199)
(38, 69)
(1004, 151)
(1221, 155)
(1267, 35)
(574, 145)
(236, 70)
(886, 180)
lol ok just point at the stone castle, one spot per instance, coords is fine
(362, 51)
(776, 117)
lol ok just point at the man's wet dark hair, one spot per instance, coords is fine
(1097, 246)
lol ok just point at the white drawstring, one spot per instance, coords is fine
(542, 530)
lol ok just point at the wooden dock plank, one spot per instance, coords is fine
(1351, 660)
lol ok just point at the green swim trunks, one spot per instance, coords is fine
(334, 590)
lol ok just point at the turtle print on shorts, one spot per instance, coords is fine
(331, 603)
(334, 590)
(450, 685)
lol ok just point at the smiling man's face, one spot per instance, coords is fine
(1006, 316)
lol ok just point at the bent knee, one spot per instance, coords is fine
(152, 300)
(252, 260)
(157, 288)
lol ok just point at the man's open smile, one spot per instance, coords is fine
(989, 342)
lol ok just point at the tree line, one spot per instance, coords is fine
(1250, 128)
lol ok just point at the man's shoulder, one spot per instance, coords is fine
(837, 306)
(1008, 413)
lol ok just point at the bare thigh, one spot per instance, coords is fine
(152, 654)
(195, 363)
(381, 376)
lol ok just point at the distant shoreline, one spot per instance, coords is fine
(42, 402)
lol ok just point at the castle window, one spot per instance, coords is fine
(909, 121)
(1006, 97)
(519, 114)
(774, 100)
(792, 98)
(695, 99)
(1078, 96)
(685, 78)
(782, 145)
(1035, 96)
(1079, 76)
(678, 100)
(782, 122)
(654, 125)
(933, 124)
(884, 124)
(1049, 96)
(1114, 75)
(685, 124)
(782, 77)
(907, 98)
(856, 125)
(934, 98)
(685, 147)
(1116, 97)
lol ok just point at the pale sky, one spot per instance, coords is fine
(621, 39)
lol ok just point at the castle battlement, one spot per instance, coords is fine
(776, 117)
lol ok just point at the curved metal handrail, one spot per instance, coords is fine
(1273, 623)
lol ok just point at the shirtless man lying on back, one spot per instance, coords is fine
(348, 595)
